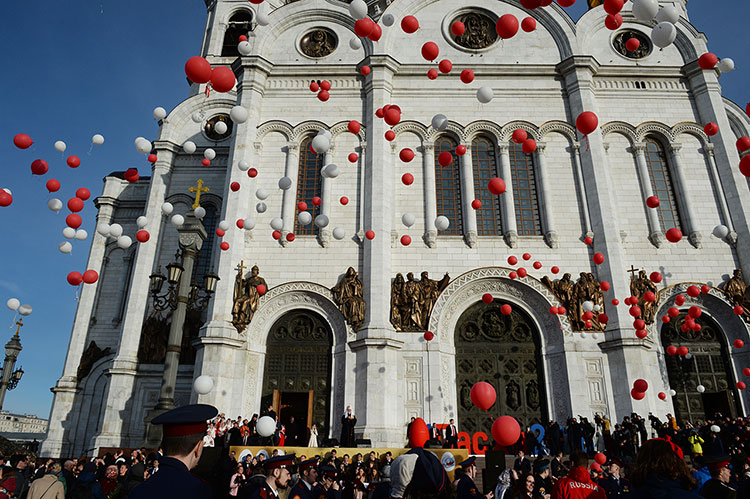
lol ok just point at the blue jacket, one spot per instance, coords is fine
(173, 480)
(88, 479)
(656, 488)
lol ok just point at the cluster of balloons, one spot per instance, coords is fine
(15, 305)
(323, 89)
(220, 78)
(88, 277)
(638, 392)
(115, 231)
(665, 32)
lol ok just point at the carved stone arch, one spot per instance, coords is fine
(738, 119)
(531, 129)
(690, 128)
(307, 127)
(228, 15)
(654, 128)
(279, 126)
(626, 129)
(482, 127)
(343, 127)
(453, 129)
(414, 127)
(561, 127)
(178, 123)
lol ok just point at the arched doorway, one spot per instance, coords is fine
(297, 372)
(708, 365)
(504, 351)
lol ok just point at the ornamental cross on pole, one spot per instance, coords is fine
(632, 271)
(241, 267)
(198, 190)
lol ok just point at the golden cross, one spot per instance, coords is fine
(198, 190)
(241, 267)
(19, 323)
(632, 271)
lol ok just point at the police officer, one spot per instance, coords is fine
(308, 475)
(466, 488)
(182, 444)
(277, 477)
(328, 487)
(613, 484)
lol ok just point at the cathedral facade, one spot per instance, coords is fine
(351, 312)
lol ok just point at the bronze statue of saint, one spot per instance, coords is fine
(735, 288)
(246, 298)
(398, 302)
(430, 290)
(639, 286)
(412, 292)
(348, 295)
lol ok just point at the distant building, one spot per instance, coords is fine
(22, 427)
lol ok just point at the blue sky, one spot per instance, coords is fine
(73, 69)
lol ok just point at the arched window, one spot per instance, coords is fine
(525, 195)
(239, 24)
(448, 186)
(661, 183)
(308, 184)
(203, 262)
(484, 162)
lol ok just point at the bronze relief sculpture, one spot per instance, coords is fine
(246, 296)
(572, 296)
(412, 301)
(348, 295)
(639, 286)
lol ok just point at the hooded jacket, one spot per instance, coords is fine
(577, 485)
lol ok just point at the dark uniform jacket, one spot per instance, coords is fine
(264, 492)
(319, 492)
(301, 491)
(716, 489)
(173, 480)
(467, 489)
(615, 488)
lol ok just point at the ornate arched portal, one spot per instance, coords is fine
(503, 350)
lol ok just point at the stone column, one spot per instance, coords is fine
(654, 228)
(324, 233)
(725, 215)
(290, 195)
(467, 196)
(683, 196)
(510, 229)
(430, 196)
(119, 396)
(550, 234)
(582, 190)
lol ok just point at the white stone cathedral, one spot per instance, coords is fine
(310, 357)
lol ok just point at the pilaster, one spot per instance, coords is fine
(430, 197)
(510, 229)
(654, 227)
(550, 234)
(467, 196)
(694, 236)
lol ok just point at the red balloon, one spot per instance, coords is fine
(131, 175)
(252, 173)
(483, 395)
(409, 24)
(406, 240)
(460, 150)
(519, 136)
(612, 22)
(635, 311)
(613, 7)
(603, 318)
(392, 116)
(316, 201)
(496, 186)
(682, 351)
(74, 161)
(743, 144)
(142, 236)
(600, 458)
(458, 28)
(507, 26)
(662, 396)
(487, 298)
(390, 135)
(83, 193)
(562, 310)
(528, 24)
(75, 204)
(640, 385)
(445, 66)
(432, 74)
(261, 289)
(652, 202)
(364, 27)
(531, 4)
(206, 162)
(512, 260)
(407, 178)
(376, 33)
(476, 204)
(53, 185)
(740, 385)
(507, 309)
(243, 38)
(429, 335)
(537, 265)
(39, 167)
(314, 87)
(633, 44)
(655, 277)
(445, 158)
(526, 256)
(636, 394)
(90, 276)
(739, 310)
(220, 232)
(224, 246)
(522, 272)
(430, 51)
(418, 433)
(506, 430)
(598, 258)
(705, 289)
(235, 186)
(467, 76)
(693, 291)
(353, 157)
(365, 70)
(695, 312)
(679, 300)
(370, 234)
(323, 95)
(151, 158)
(555, 269)
(587, 316)
(353, 127)
(671, 350)
(73, 220)
(587, 122)
(711, 129)
(22, 141)
(604, 285)
(529, 146)
(615, 301)
(240, 223)
(708, 61)
(75, 278)
(290, 237)
(553, 310)
(746, 371)
(344, 200)
(566, 3)
(649, 296)
(674, 235)
(745, 166)
(588, 240)
(198, 70)
(739, 343)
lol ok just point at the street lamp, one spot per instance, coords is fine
(10, 378)
(198, 297)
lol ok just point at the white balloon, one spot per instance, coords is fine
(277, 223)
(209, 153)
(669, 14)
(714, 428)
(224, 225)
(81, 235)
(115, 230)
(69, 233)
(672, 392)
(358, 9)
(197, 117)
(645, 10)
(167, 208)
(178, 220)
(408, 219)
(60, 146)
(98, 139)
(249, 223)
(160, 113)
(321, 221)
(239, 114)
(330, 171)
(688, 356)
(55, 205)
(65, 247)
(203, 385)
(439, 122)
(442, 222)
(388, 20)
(103, 229)
(244, 48)
(199, 212)
(265, 426)
(597, 308)
(663, 34)
(588, 306)
(485, 94)
(355, 44)
(124, 242)
(326, 133)
(243, 166)
(24, 309)
(339, 233)
(13, 303)
(261, 193)
(285, 183)
(726, 65)
(721, 231)
(261, 207)
(220, 127)
(189, 147)
(321, 144)
(262, 18)
(304, 218)
(700, 388)
(142, 145)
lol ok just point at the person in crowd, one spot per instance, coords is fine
(613, 484)
(49, 485)
(660, 472)
(328, 486)
(578, 484)
(235, 435)
(542, 479)
(385, 467)
(714, 447)
(504, 485)
(291, 432)
(696, 444)
(277, 476)
(466, 488)
(557, 467)
(136, 476)
(237, 481)
(524, 487)
(20, 463)
(595, 471)
(522, 465)
(436, 436)
(313, 442)
(308, 476)
(451, 435)
(718, 486)
(348, 420)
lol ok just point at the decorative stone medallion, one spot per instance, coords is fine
(621, 38)
(210, 127)
(480, 30)
(319, 42)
